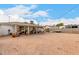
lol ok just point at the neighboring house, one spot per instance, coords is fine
(49, 28)
(71, 28)
(53, 28)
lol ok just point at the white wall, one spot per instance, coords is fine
(4, 29)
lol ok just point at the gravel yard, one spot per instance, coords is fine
(40, 44)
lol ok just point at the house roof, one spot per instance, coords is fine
(19, 23)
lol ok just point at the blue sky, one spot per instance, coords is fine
(54, 11)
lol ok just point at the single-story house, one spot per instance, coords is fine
(7, 28)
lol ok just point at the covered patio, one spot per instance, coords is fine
(26, 28)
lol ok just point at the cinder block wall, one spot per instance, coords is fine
(70, 30)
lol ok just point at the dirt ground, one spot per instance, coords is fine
(41, 44)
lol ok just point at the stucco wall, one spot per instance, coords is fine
(4, 29)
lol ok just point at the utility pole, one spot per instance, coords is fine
(9, 19)
(9, 25)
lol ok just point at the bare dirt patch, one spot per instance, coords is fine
(43, 44)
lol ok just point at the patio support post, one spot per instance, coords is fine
(15, 29)
(28, 31)
(24, 29)
(36, 30)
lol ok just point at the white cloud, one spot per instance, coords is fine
(70, 21)
(12, 18)
(41, 13)
(20, 9)
(33, 6)
(1, 12)
(4, 18)
(16, 18)
(13, 14)
(16, 11)
(48, 10)
(49, 22)
(63, 20)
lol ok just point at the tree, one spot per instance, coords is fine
(60, 24)
(31, 22)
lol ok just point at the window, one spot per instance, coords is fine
(74, 26)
